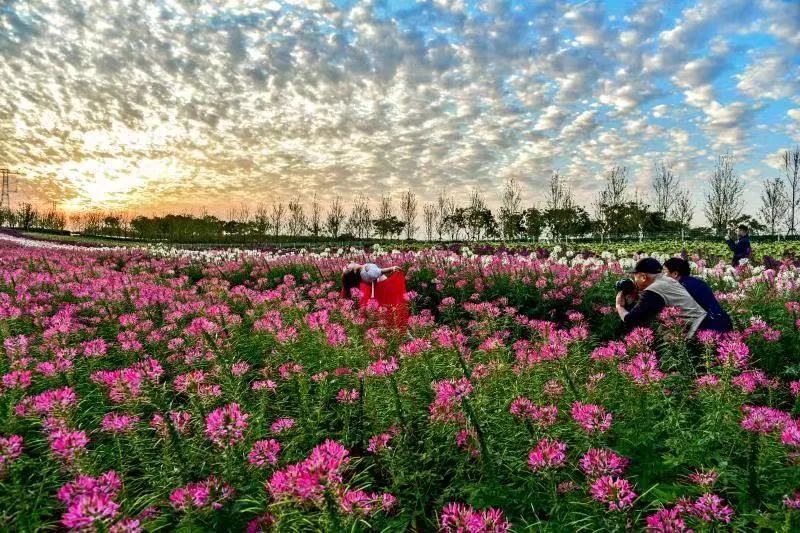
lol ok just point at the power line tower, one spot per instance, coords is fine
(5, 195)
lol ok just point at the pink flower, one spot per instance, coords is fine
(346, 396)
(240, 369)
(643, 369)
(704, 479)
(598, 462)
(264, 452)
(85, 511)
(524, 409)
(592, 418)
(68, 445)
(119, 423)
(616, 492)
(225, 426)
(667, 521)
(380, 442)
(707, 382)
(383, 367)
(307, 480)
(548, 454)
(711, 508)
(108, 484)
(791, 434)
(793, 501)
(281, 425)
(10, 450)
(359, 502)
(462, 518)
(210, 492)
(415, 347)
(763, 420)
(733, 353)
(261, 524)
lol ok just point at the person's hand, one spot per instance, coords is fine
(396, 268)
(620, 299)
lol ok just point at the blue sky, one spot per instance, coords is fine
(173, 105)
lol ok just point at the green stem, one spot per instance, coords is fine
(473, 419)
(753, 489)
(398, 405)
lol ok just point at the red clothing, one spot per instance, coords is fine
(391, 297)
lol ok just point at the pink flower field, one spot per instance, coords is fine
(147, 391)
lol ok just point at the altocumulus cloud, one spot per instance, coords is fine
(191, 104)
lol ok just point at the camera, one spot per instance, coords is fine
(626, 286)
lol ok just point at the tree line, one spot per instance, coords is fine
(616, 211)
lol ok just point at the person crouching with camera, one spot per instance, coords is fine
(655, 292)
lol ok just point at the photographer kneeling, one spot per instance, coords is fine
(657, 291)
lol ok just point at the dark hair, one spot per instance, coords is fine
(676, 264)
(743, 228)
(350, 280)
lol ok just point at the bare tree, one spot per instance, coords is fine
(276, 218)
(430, 219)
(445, 207)
(408, 210)
(774, 203)
(297, 218)
(335, 218)
(616, 189)
(360, 221)
(385, 207)
(724, 196)
(315, 217)
(683, 210)
(665, 189)
(261, 219)
(791, 169)
(510, 209)
(559, 195)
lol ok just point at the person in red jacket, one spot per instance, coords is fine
(386, 286)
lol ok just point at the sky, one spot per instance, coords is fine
(201, 106)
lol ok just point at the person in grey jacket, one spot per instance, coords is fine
(657, 291)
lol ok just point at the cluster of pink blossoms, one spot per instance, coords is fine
(591, 418)
(548, 454)
(90, 501)
(10, 450)
(264, 452)
(380, 442)
(225, 426)
(306, 482)
(598, 462)
(462, 518)
(615, 492)
(446, 406)
(763, 420)
(542, 416)
(209, 493)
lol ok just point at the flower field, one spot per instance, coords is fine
(146, 391)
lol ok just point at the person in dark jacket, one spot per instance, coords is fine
(741, 247)
(657, 291)
(717, 319)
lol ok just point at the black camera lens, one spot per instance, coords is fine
(626, 286)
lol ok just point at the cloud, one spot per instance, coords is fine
(141, 105)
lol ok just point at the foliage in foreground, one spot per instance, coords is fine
(144, 393)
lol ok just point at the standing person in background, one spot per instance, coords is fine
(741, 247)
(717, 319)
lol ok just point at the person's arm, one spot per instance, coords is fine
(645, 311)
(731, 245)
(389, 270)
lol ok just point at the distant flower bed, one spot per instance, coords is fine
(166, 389)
